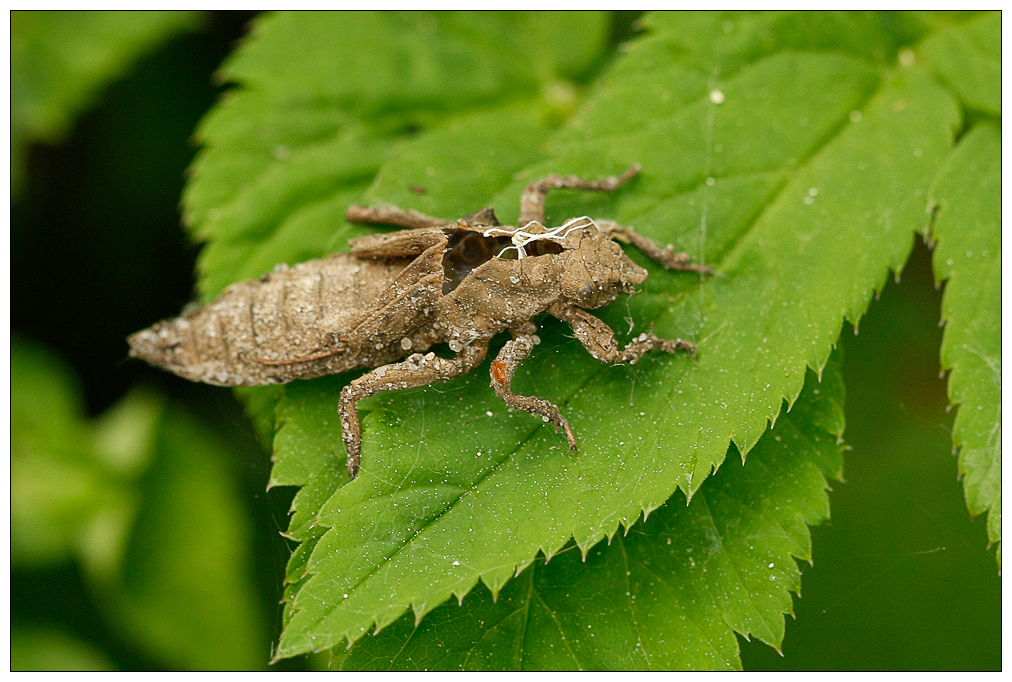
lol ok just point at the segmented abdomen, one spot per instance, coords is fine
(250, 334)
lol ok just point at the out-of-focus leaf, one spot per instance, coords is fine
(967, 57)
(967, 198)
(61, 60)
(185, 592)
(53, 650)
(72, 493)
(666, 594)
(124, 434)
(124, 441)
(56, 482)
(142, 499)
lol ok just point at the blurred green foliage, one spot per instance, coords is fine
(60, 61)
(141, 499)
(51, 649)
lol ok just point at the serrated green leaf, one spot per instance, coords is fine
(967, 198)
(778, 309)
(287, 154)
(787, 150)
(967, 58)
(61, 60)
(666, 594)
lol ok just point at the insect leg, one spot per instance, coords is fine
(503, 367)
(599, 340)
(416, 370)
(391, 215)
(666, 256)
(532, 201)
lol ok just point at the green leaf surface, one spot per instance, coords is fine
(967, 58)
(666, 594)
(53, 650)
(788, 150)
(288, 153)
(967, 228)
(61, 60)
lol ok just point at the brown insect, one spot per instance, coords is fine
(396, 294)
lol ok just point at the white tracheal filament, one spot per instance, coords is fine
(521, 238)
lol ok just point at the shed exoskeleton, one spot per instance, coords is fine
(394, 295)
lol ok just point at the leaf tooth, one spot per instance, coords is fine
(385, 618)
(463, 589)
(420, 611)
(587, 544)
(496, 579)
(611, 535)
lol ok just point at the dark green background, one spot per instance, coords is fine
(902, 578)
